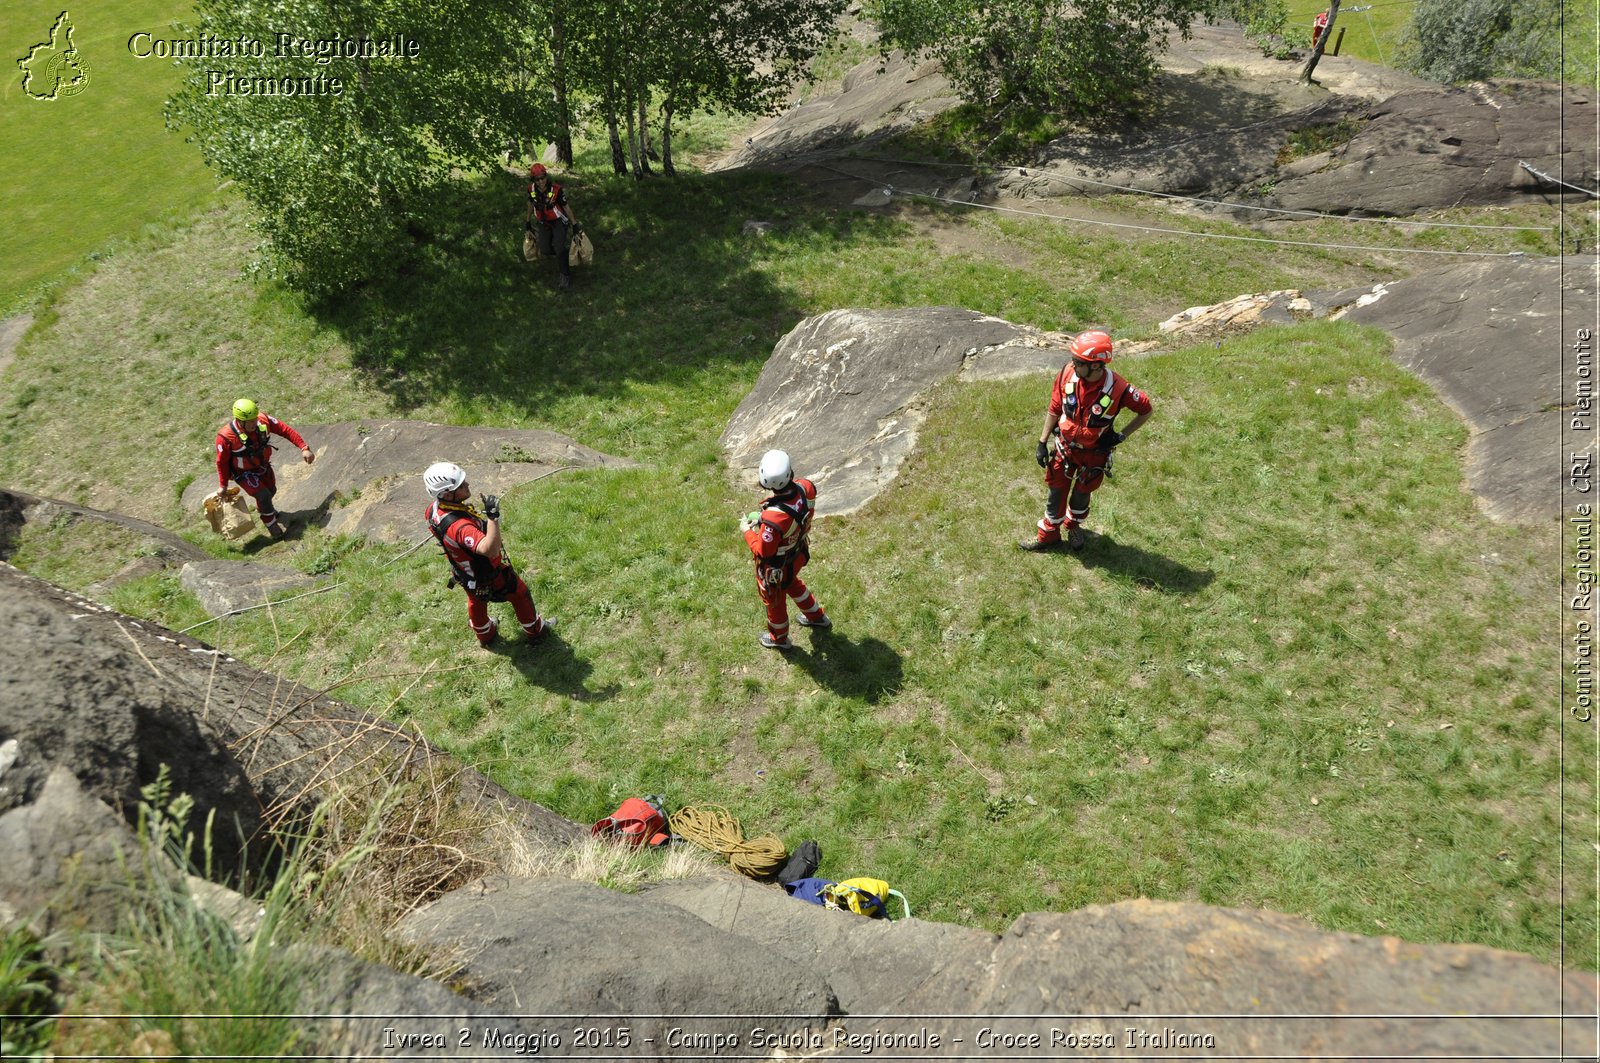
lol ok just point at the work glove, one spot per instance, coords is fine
(527, 226)
(229, 492)
(491, 507)
(749, 521)
(1042, 455)
(1110, 438)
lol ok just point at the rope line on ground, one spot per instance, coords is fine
(890, 190)
(713, 827)
(1222, 203)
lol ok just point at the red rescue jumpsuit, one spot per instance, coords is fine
(459, 529)
(246, 456)
(1084, 412)
(779, 544)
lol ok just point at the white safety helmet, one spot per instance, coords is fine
(443, 477)
(776, 472)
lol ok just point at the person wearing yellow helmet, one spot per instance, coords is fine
(244, 455)
(1083, 409)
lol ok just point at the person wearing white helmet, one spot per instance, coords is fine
(478, 562)
(244, 454)
(777, 535)
(1084, 404)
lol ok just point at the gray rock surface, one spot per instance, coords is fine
(67, 861)
(842, 392)
(1428, 149)
(1492, 338)
(366, 1010)
(556, 947)
(229, 586)
(1139, 970)
(873, 965)
(367, 479)
(878, 97)
(112, 699)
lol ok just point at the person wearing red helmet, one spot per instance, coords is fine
(548, 204)
(1084, 403)
(777, 535)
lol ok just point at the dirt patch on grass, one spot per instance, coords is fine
(12, 329)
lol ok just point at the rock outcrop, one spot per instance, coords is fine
(367, 479)
(697, 969)
(843, 391)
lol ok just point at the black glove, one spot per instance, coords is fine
(527, 226)
(491, 507)
(1042, 455)
(1109, 439)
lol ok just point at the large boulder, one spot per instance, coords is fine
(1157, 978)
(1488, 336)
(367, 479)
(842, 392)
(557, 947)
(1463, 147)
(872, 965)
(231, 586)
(67, 861)
(112, 699)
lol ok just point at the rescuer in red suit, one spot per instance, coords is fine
(776, 535)
(244, 454)
(1084, 404)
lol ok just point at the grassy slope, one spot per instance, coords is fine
(100, 164)
(1293, 605)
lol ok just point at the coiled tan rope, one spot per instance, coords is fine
(712, 827)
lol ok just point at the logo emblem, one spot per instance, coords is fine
(55, 68)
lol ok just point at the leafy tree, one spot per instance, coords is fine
(1470, 40)
(1080, 57)
(739, 56)
(341, 153)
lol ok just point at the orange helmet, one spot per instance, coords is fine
(537, 170)
(1092, 347)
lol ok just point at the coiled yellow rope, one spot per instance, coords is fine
(712, 827)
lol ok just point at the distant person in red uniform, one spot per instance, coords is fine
(478, 564)
(777, 537)
(549, 207)
(1084, 404)
(244, 454)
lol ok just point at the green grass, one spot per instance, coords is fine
(1301, 672)
(80, 170)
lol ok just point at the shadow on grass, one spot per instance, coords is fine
(551, 664)
(868, 669)
(1142, 568)
(675, 290)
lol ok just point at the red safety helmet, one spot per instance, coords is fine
(537, 170)
(1092, 347)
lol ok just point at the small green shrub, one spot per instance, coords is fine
(1315, 139)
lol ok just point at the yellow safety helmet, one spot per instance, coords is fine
(245, 412)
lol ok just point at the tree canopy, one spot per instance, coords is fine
(1075, 58)
(341, 120)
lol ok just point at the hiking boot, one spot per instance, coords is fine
(565, 282)
(1037, 545)
(547, 624)
(277, 530)
(1075, 538)
(776, 644)
(494, 633)
(822, 622)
